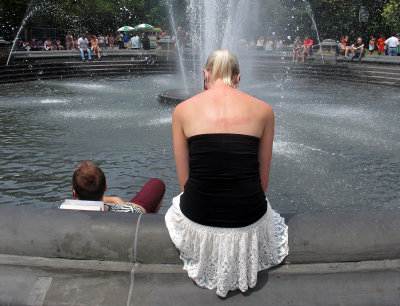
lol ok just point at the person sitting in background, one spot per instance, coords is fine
(102, 42)
(279, 44)
(392, 45)
(297, 47)
(111, 41)
(145, 41)
(358, 49)
(307, 48)
(59, 45)
(160, 35)
(83, 47)
(260, 43)
(94, 42)
(47, 45)
(381, 45)
(135, 40)
(33, 45)
(126, 39)
(40, 45)
(342, 46)
(26, 46)
(371, 45)
(269, 45)
(69, 41)
(54, 44)
(89, 184)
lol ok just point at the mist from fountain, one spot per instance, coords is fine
(218, 25)
(212, 25)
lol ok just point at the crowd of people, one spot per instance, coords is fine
(69, 43)
(136, 41)
(357, 50)
(301, 48)
(262, 44)
(91, 44)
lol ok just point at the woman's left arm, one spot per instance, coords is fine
(265, 150)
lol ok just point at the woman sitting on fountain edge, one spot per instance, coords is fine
(222, 223)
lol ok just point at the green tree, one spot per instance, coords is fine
(11, 15)
(284, 17)
(391, 15)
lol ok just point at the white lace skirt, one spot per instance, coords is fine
(227, 258)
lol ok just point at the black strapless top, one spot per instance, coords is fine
(224, 186)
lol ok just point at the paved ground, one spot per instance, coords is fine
(54, 257)
(62, 282)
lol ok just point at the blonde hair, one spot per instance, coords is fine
(223, 64)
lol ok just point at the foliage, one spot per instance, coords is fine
(333, 18)
(77, 16)
(11, 15)
(391, 15)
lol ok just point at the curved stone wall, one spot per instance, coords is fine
(384, 70)
(32, 66)
(313, 237)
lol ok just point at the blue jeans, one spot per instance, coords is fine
(83, 54)
(392, 51)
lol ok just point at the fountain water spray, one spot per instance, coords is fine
(28, 15)
(181, 64)
(213, 25)
(311, 15)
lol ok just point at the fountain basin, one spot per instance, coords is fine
(176, 96)
(166, 44)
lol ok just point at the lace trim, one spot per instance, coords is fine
(227, 258)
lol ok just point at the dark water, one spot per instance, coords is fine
(336, 145)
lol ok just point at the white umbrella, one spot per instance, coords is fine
(144, 27)
(125, 29)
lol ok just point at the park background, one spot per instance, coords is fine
(283, 18)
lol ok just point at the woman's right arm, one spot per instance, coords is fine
(181, 150)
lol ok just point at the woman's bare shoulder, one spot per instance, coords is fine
(260, 106)
(188, 104)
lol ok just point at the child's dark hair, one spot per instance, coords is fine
(89, 182)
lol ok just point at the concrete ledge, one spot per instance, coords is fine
(54, 233)
(313, 237)
(116, 266)
(56, 257)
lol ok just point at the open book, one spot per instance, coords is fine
(83, 205)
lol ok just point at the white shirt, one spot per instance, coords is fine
(135, 42)
(83, 42)
(392, 42)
